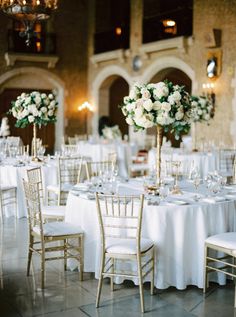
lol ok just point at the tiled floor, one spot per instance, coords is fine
(65, 296)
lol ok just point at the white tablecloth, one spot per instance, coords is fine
(12, 175)
(100, 152)
(205, 162)
(178, 232)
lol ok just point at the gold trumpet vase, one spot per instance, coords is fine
(34, 147)
(158, 158)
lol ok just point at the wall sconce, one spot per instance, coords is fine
(86, 108)
(208, 91)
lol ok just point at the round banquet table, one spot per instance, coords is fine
(100, 151)
(178, 232)
(12, 174)
(205, 161)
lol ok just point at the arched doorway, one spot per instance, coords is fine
(111, 94)
(34, 78)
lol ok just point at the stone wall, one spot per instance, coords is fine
(191, 58)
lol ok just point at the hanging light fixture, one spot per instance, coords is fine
(28, 12)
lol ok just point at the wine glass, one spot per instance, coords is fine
(163, 192)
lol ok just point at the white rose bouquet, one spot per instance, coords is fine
(202, 108)
(36, 108)
(161, 104)
(111, 133)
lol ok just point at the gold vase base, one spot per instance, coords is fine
(194, 150)
(36, 159)
(176, 190)
(153, 190)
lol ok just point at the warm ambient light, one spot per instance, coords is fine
(118, 31)
(167, 23)
(85, 106)
(208, 86)
(28, 12)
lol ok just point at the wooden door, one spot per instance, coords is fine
(46, 133)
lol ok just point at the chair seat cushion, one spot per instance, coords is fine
(5, 188)
(55, 211)
(225, 240)
(56, 188)
(126, 246)
(59, 228)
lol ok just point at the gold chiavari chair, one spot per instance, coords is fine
(68, 176)
(120, 221)
(69, 150)
(48, 212)
(72, 140)
(225, 243)
(97, 168)
(42, 235)
(8, 198)
(112, 157)
(227, 157)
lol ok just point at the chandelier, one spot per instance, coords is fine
(28, 12)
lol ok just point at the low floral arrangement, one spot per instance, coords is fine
(111, 133)
(34, 108)
(161, 104)
(202, 108)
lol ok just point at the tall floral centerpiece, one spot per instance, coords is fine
(163, 105)
(202, 111)
(34, 108)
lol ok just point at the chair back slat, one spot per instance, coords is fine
(120, 216)
(95, 169)
(69, 170)
(34, 176)
(32, 196)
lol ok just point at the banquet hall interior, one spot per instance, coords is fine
(117, 158)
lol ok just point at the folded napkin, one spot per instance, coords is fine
(177, 202)
(215, 199)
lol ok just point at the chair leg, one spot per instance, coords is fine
(112, 271)
(152, 274)
(205, 277)
(65, 255)
(30, 252)
(43, 268)
(1, 207)
(100, 279)
(81, 257)
(140, 276)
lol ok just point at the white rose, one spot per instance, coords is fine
(207, 117)
(53, 103)
(27, 100)
(145, 121)
(147, 105)
(129, 121)
(179, 115)
(50, 96)
(194, 103)
(37, 100)
(133, 93)
(31, 119)
(46, 102)
(124, 111)
(156, 105)
(25, 113)
(199, 112)
(17, 103)
(35, 113)
(32, 107)
(126, 99)
(161, 90)
(130, 106)
(43, 109)
(165, 106)
(50, 113)
(23, 95)
(138, 112)
(145, 93)
(43, 96)
(139, 102)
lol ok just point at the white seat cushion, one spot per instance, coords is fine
(56, 189)
(3, 188)
(58, 229)
(225, 240)
(139, 167)
(126, 246)
(55, 211)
